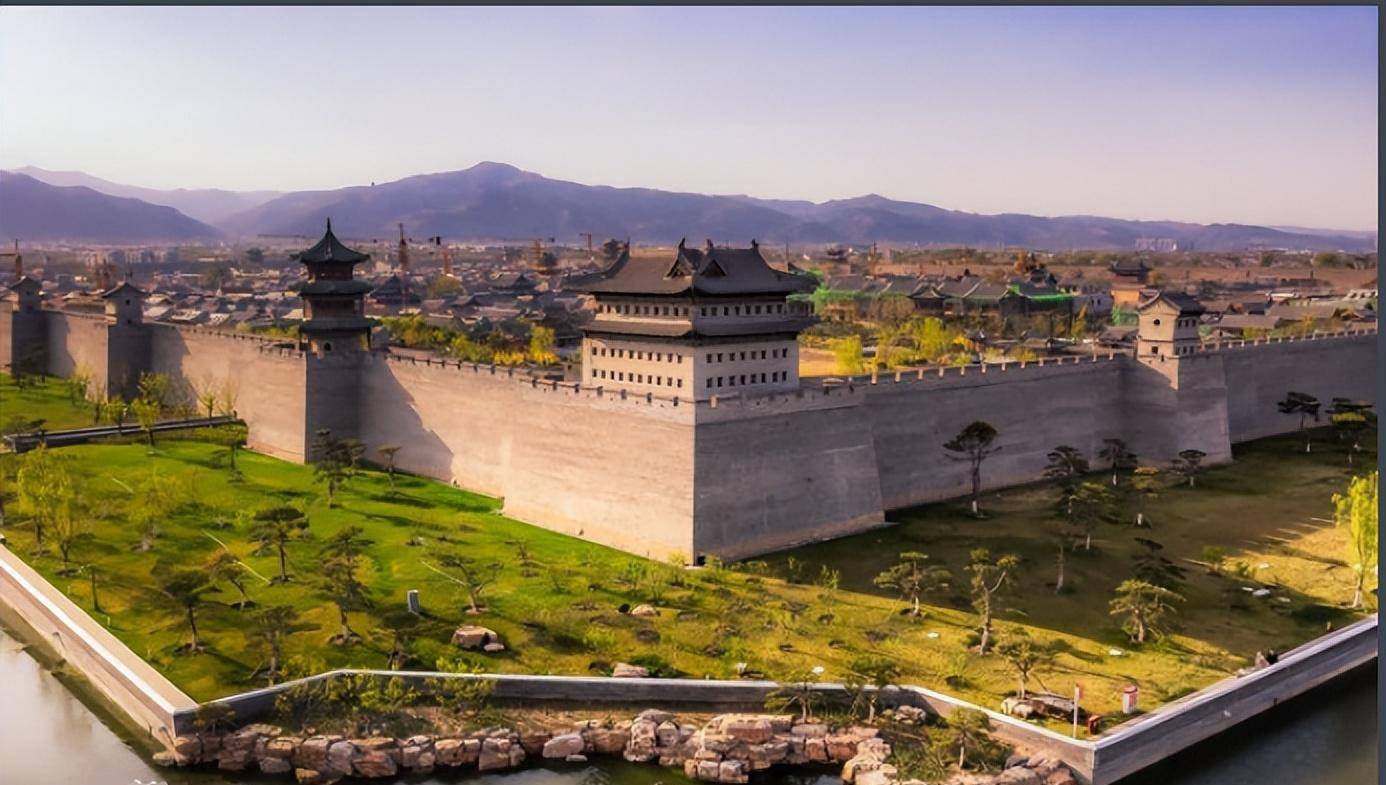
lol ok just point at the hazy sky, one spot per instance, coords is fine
(1264, 115)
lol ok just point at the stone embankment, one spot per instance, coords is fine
(726, 749)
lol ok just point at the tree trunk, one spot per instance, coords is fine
(192, 624)
(283, 568)
(95, 601)
(1059, 582)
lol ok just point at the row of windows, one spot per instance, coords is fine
(777, 354)
(638, 378)
(663, 357)
(628, 309)
(1177, 349)
(1191, 321)
(755, 378)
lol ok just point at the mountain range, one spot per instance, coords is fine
(34, 210)
(493, 201)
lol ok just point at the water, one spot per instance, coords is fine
(48, 737)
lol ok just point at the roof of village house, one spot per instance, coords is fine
(24, 282)
(712, 271)
(1129, 267)
(331, 250)
(1183, 302)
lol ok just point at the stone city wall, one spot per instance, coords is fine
(611, 467)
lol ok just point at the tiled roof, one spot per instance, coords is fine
(715, 272)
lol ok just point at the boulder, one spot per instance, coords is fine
(282, 747)
(169, 759)
(654, 715)
(624, 670)
(607, 741)
(425, 761)
(563, 746)
(750, 729)
(707, 770)
(763, 756)
(575, 758)
(1016, 759)
(644, 609)
(312, 753)
(667, 734)
(495, 754)
(494, 647)
(270, 765)
(533, 743)
(816, 750)
(810, 730)
(842, 747)
(374, 763)
(641, 746)
(340, 754)
(1061, 776)
(731, 771)
(188, 747)
(412, 751)
(885, 774)
(471, 636)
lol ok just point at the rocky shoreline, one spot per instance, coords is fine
(728, 748)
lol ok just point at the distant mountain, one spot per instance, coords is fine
(209, 205)
(492, 201)
(34, 210)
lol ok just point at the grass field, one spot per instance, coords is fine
(47, 400)
(557, 601)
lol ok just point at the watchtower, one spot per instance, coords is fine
(21, 307)
(1168, 327)
(125, 304)
(334, 302)
(337, 333)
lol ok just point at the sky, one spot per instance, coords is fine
(1252, 115)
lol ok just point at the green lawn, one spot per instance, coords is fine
(47, 400)
(557, 600)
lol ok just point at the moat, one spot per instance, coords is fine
(1327, 738)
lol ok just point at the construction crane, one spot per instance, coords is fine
(588, 235)
(447, 254)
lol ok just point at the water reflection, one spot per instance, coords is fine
(48, 737)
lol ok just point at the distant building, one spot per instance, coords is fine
(1160, 244)
(1168, 326)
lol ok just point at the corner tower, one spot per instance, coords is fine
(709, 322)
(334, 302)
(1168, 327)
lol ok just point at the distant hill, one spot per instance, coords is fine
(492, 201)
(34, 210)
(209, 205)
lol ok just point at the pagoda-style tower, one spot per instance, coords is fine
(338, 334)
(334, 302)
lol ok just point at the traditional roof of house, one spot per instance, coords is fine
(331, 250)
(1186, 304)
(713, 272)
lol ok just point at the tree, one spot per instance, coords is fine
(388, 452)
(1145, 485)
(1304, 405)
(912, 580)
(1144, 606)
(147, 415)
(273, 626)
(1350, 419)
(224, 567)
(847, 352)
(68, 526)
(1356, 511)
(611, 249)
(79, 385)
(989, 577)
(1150, 565)
(275, 528)
(1215, 556)
(186, 588)
(155, 387)
(1066, 465)
(541, 345)
(340, 569)
(231, 437)
(334, 461)
(1118, 456)
(1189, 465)
(1086, 505)
(973, 444)
(43, 484)
(472, 578)
(152, 498)
(876, 673)
(970, 731)
(1025, 656)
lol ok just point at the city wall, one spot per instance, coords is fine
(733, 476)
(609, 467)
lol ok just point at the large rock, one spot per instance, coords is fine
(732, 771)
(667, 734)
(842, 747)
(283, 747)
(271, 765)
(498, 753)
(624, 670)
(316, 777)
(374, 763)
(563, 746)
(607, 741)
(1061, 776)
(750, 729)
(1019, 775)
(885, 774)
(641, 746)
(471, 636)
(188, 746)
(312, 753)
(340, 754)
